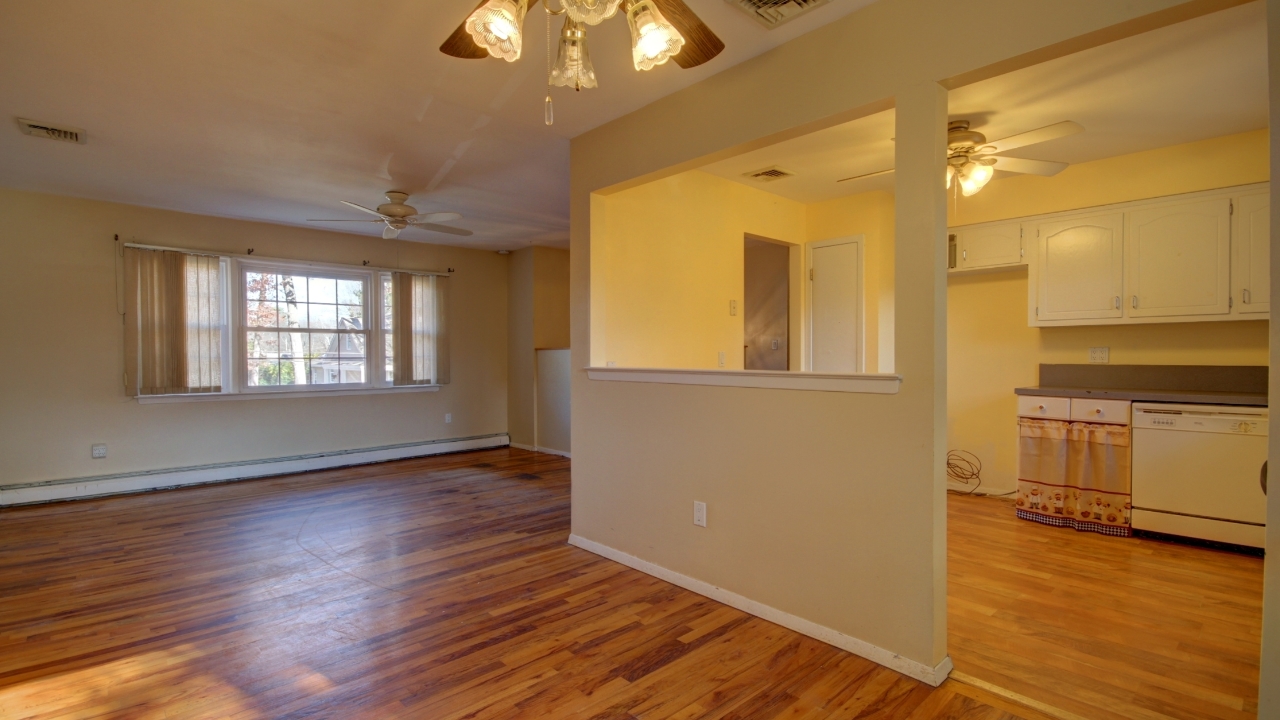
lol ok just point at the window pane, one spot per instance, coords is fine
(351, 317)
(259, 286)
(323, 290)
(323, 316)
(386, 303)
(263, 345)
(350, 292)
(261, 313)
(389, 357)
(293, 288)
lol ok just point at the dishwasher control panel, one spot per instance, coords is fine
(1201, 418)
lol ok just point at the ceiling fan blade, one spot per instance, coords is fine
(460, 45)
(874, 174)
(1045, 168)
(434, 217)
(363, 209)
(443, 229)
(390, 233)
(700, 44)
(363, 221)
(1031, 137)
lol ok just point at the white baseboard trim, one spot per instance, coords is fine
(911, 668)
(87, 487)
(535, 448)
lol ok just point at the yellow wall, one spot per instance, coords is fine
(674, 262)
(870, 215)
(991, 348)
(63, 358)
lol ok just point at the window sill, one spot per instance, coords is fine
(265, 395)
(874, 383)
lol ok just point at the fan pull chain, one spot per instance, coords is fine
(548, 112)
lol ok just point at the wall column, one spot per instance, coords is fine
(920, 284)
(1269, 677)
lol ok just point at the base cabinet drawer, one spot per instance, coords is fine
(1100, 411)
(1052, 408)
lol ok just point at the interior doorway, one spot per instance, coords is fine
(835, 305)
(766, 304)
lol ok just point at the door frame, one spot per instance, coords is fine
(858, 241)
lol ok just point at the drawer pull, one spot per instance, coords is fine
(1098, 410)
(1040, 407)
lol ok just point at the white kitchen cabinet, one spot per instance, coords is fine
(990, 245)
(1251, 245)
(1079, 270)
(1178, 259)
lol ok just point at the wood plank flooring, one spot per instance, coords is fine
(1104, 627)
(434, 588)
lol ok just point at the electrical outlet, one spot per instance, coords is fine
(98, 451)
(448, 417)
(775, 344)
(699, 513)
(611, 363)
(1100, 355)
(721, 358)
(733, 307)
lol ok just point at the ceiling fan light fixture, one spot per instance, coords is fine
(591, 12)
(974, 176)
(495, 26)
(573, 63)
(653, 40)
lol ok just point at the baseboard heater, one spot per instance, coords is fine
(132, 482)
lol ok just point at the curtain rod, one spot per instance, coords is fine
(310, 263)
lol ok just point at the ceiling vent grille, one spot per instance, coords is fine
(768, 174)
(772, 13)
(52, 132)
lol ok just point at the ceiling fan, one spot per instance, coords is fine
(397, 216)
(972, 161)
(661, 30)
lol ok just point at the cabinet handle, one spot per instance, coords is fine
(1117, 302)
(1097, 411)
(1039, 407)
(1135, 301)
(964, 254)
(1245, 296)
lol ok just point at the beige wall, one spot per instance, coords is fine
(538, 306)
(62, 387)
(827, 506)
(1269, 676)
(672, 259)
(991, 348)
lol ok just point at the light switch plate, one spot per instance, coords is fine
(720, 358)
(699, 513)
(1099, 354)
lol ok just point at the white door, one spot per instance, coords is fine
(988, 246)
(1080, 268)
(835, 292)
(1251, 244)
(1178, 259)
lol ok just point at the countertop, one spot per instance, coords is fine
(1203, 397)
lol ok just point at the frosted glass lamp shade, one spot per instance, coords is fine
(653, 40)
(974, 176)
(591, 12)
(573, 64)
(495, 26)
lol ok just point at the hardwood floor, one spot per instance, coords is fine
(1103, 627)
(433, 588)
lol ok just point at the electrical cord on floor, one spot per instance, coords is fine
(964, 467)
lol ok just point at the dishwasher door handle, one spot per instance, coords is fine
(1263, 479)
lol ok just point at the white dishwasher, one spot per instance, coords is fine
(1196, 471)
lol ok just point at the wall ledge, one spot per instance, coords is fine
(874, 383)
(143, 480)
(911, 668)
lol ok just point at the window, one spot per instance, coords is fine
(290, 327)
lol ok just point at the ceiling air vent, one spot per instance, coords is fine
(768, 174)
(772, 13)
(45, 130)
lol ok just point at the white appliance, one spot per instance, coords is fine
(1196, 471)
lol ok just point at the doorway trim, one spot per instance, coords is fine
(857, 240)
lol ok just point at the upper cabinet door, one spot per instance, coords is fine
(1179, 259)
(988, 246)
(1251, 243)
(1080, 268)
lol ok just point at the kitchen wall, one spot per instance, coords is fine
(671, 260)
(63, 358)
(991, 350)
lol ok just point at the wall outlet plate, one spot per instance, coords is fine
(699, 513)
(720, 358)
(733, 307)
(448, 417)
(98, 451)
(1099, 354)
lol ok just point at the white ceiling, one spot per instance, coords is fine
(1200, 79)
(275, 111)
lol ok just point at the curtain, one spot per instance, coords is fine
(1074, 475)
(173, 322)
(420, 331)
